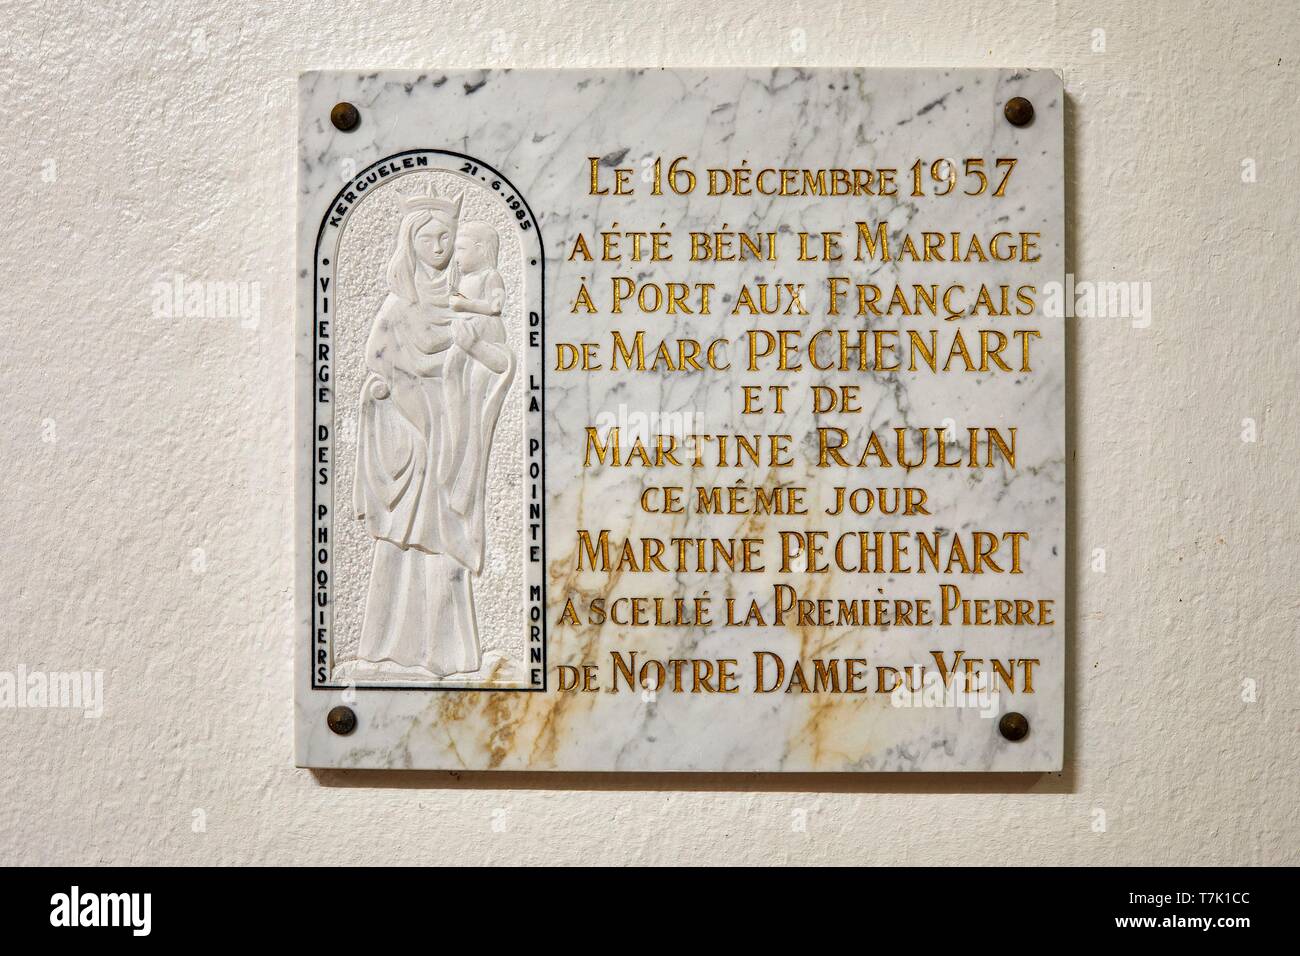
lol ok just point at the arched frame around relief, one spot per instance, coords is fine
(320, 396)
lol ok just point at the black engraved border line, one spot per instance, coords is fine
(541, 351)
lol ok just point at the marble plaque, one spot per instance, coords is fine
(681, 420)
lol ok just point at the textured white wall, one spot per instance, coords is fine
(157, 139)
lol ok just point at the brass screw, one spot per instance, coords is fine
(345, 116)
(341, 720)
(1019, 111)
(1013, 726)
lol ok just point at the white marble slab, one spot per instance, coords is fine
(441, 455)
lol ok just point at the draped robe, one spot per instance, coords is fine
(428, 412)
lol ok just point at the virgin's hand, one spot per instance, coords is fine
(379, 390)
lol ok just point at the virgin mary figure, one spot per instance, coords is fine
(428, 410)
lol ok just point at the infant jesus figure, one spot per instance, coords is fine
(480, 289)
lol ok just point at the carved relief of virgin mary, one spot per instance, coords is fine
(439, 367)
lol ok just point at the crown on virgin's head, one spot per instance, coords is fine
(431, 201)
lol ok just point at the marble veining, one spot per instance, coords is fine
(537, 128)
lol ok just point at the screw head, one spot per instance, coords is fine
(341, 720)
(1013, 726)
(1019, 111)
(345, 117)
